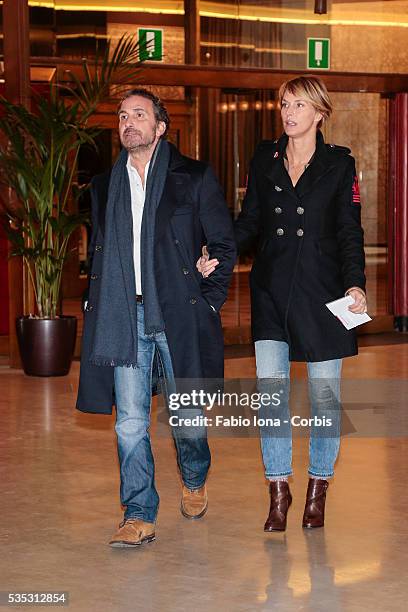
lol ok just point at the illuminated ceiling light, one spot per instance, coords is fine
(270, 105)
(165, 7)
(258, 105)
(228, 11)
(301, 19)
(320, 7)
(309, 21)
(244, 105)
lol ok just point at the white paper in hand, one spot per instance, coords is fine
(349, 319)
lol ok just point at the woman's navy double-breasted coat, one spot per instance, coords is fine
(192, 212)
(310, 248)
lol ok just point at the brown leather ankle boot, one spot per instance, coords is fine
(313, 515)
(280, 502)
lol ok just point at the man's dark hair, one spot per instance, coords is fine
(160, 111)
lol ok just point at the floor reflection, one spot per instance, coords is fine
(59, 507)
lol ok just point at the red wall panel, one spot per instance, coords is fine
(4, 295)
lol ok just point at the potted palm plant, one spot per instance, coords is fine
(38, 155)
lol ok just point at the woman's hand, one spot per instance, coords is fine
(360, 300)
(205, 265)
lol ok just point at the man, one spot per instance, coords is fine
(148, 308)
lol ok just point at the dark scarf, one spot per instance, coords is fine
(156, 179)
(115, 339)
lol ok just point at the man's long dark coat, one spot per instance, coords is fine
(191, 213)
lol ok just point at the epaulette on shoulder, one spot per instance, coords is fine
(338, 149)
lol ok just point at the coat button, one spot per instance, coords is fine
(193, 301)
(98, 247)
(185, 271)
(300, 232)
(300, 210)
(94, 276)
(278, 210)
(280, 231)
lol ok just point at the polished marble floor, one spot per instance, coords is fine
(59, 506)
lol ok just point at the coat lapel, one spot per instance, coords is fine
(275, 170)
(277, 173)
(102, 191)
(319, 166)
(173, 194)
(280, 178)
(174, 191)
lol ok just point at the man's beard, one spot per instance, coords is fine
(143, 142)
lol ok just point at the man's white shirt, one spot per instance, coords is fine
(138, 195)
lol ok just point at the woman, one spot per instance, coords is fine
(303, 205)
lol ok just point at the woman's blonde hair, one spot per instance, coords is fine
(313, 90)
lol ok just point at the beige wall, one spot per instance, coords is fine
(369, 49)
(359, 122)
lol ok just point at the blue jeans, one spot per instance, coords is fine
(133, 406)
(273, 373)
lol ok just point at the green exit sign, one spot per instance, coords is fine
(150, 44)
(318, 53)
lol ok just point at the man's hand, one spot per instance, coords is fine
(360, 300)
(205, 265)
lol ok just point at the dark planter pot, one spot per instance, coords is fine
(46, 345)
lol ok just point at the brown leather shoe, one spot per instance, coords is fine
(281, 499)
(133, 532)
(313, 515)
(194, 503)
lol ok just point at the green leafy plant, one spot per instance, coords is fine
(38, 157)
